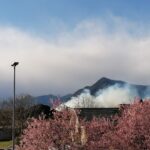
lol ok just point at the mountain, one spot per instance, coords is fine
(101, 84)
(48, 99)
(104, 83)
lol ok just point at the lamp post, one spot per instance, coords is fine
(13, 116)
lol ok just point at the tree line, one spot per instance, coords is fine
(22, 104)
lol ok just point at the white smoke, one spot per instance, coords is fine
(85, 99)
(112, 96)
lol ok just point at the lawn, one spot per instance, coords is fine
(5, 144)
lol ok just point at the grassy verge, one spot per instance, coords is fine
(5, 144)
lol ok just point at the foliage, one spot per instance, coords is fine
(129, 130)
(37, 110)
(22, 105)
(59, 132)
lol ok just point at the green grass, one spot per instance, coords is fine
(5, 144)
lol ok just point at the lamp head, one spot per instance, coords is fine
(15, 64)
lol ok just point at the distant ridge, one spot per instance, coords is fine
(101, 84)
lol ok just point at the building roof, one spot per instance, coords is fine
(89, 113)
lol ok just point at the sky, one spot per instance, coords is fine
(64, 45)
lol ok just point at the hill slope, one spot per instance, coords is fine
(101, 84)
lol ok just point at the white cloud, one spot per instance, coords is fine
(75, 58)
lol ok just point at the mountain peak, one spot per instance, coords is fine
(104, 78)
(104, 83)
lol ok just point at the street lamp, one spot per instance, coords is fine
(13, 117)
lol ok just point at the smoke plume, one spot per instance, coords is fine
(109, 97)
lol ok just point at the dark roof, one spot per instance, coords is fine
(89, 113)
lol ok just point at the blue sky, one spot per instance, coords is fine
(37, 15)
(63, 45)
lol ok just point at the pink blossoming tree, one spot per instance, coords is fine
(130, 130)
